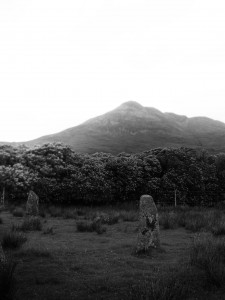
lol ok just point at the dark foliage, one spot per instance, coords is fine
(60, 176)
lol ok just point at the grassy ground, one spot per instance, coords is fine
(59, 262)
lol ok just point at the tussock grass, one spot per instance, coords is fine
(42, 213)
(90, 226)
(193, 219)
(7, 279)
(69, 214)
(29, 224)
(129, 216)
(170, 285)
(34, 252)
(18, 212)
(81, 211)
(168, 220)
(208, 254)
(110, 218)
(48, 230)
(11, 208)
(218, 228)
(196, 222)
(13, 240)
(55, 211)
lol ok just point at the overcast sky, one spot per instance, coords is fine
(64, 61)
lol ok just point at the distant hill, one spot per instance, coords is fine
(133, 128)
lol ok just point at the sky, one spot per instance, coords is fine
(65, 61)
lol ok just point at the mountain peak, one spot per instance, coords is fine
(131, 104)
(133, 128)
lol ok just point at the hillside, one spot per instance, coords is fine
(134, 128)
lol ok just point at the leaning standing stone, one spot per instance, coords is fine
(32, 207)
(148, 235)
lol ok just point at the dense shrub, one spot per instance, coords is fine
(60, 176)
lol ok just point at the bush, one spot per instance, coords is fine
(7, 280)
(1, 222)
(18, 212)
(29, 224)
(90, 226)
(208, 254)
(13, 240)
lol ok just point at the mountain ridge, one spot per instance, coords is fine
(132, 127)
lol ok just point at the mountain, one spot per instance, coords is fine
(134, 128)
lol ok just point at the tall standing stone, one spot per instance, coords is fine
(32, 207)
(148, 235)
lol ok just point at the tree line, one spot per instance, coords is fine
(61, 176)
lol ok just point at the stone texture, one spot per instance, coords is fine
(148, 234)
(2, 255)
(32, 207)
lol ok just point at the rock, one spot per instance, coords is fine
(32, 207)
(148, 235)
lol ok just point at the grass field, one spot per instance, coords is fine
(63, 259)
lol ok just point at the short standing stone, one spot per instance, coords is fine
(32, 207)
(148, 235)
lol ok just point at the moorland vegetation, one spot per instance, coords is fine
(81, 246)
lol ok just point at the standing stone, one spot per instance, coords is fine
(148, 235)
(32, 207)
